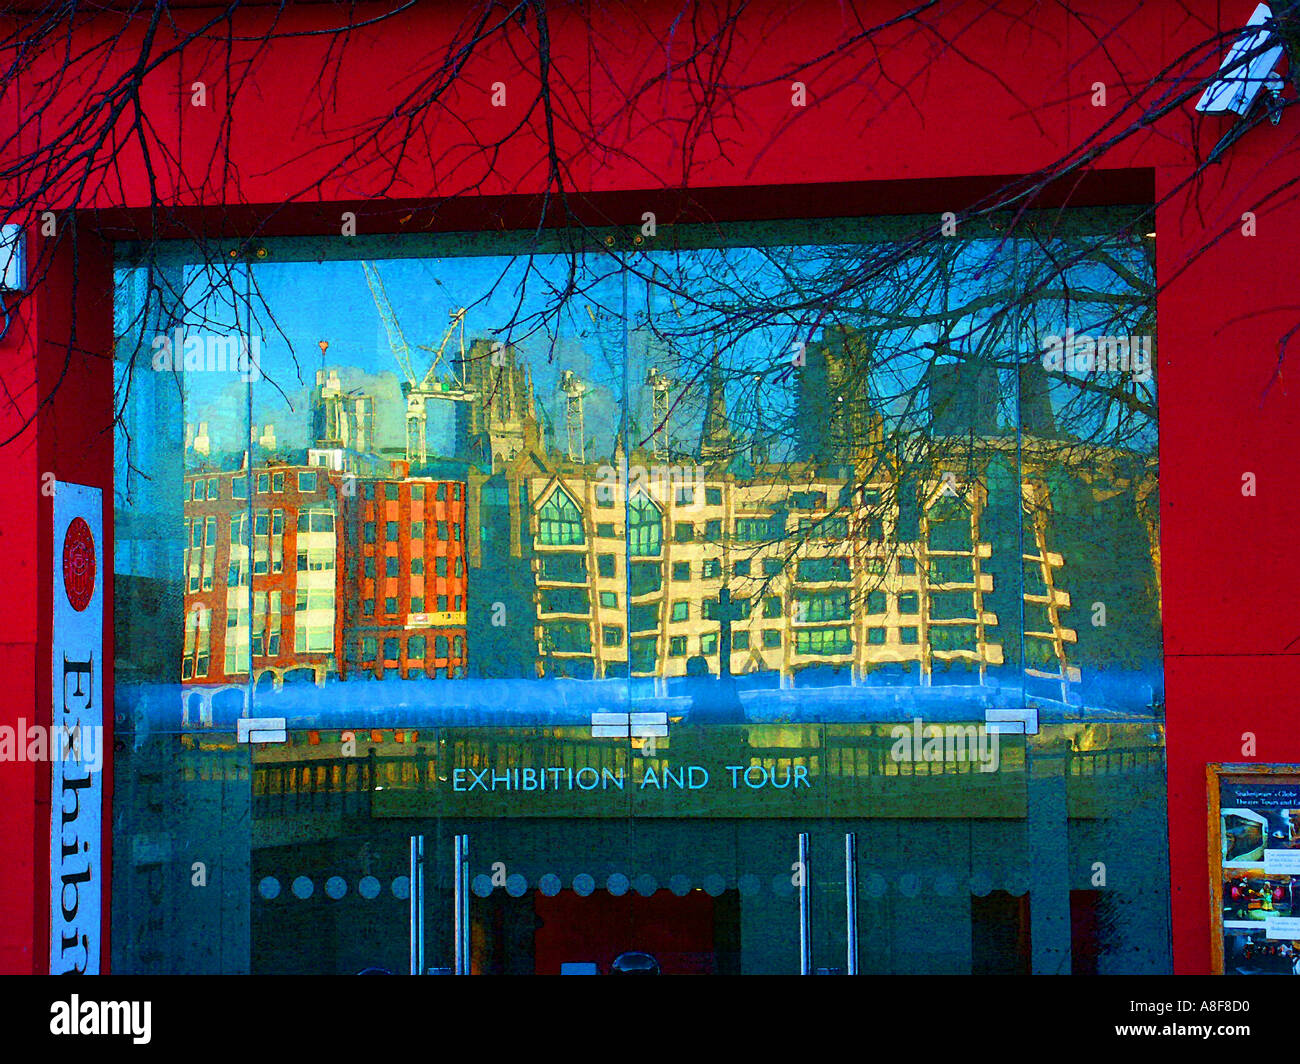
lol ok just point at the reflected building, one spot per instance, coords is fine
(836, 419)
(262, 575)
(341, 420)
(405, 580)
(322, 563)
(500, 421)
(979, 566)
(777, 573)
(327, 573)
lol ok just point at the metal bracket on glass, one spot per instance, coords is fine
(1022, 721)
(623, 725)
(261, 730)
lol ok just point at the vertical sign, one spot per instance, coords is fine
(76, 746)
(1254, 834)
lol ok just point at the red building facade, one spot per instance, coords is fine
(1019, 96)
(346, 573)
(407, 586)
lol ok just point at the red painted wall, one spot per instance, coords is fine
(919, 119)
(678, 932)
(56, 425)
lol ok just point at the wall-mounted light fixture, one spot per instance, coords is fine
(1247, 69)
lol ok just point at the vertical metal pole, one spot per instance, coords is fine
(417, 904)
(423, 968)
(805, 930)
(851, 901)
(460, 899)
(457, 963)
(464, 901)
(250, 502)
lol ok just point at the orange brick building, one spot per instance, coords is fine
(323, 574)
(405, 578)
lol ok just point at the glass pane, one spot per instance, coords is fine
(635, 566)
(182, 848)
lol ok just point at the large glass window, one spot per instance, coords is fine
(645, 528)
(559, 523)
(855, 496)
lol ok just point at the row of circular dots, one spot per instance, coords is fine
(874, 884)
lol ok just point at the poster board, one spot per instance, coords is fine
(1253, 817)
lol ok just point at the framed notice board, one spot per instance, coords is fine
(1254, 836)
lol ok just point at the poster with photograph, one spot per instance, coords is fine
(1254, 953)
(1260, 825)
(1254, 816)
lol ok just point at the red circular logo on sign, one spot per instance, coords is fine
(79, 564)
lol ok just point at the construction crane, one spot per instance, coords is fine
(659, 386)
(429, 386)
(574, 390)
(396, 340)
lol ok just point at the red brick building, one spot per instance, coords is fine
(405, 580)
(323, 562)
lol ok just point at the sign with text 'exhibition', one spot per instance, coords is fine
(76, 796)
